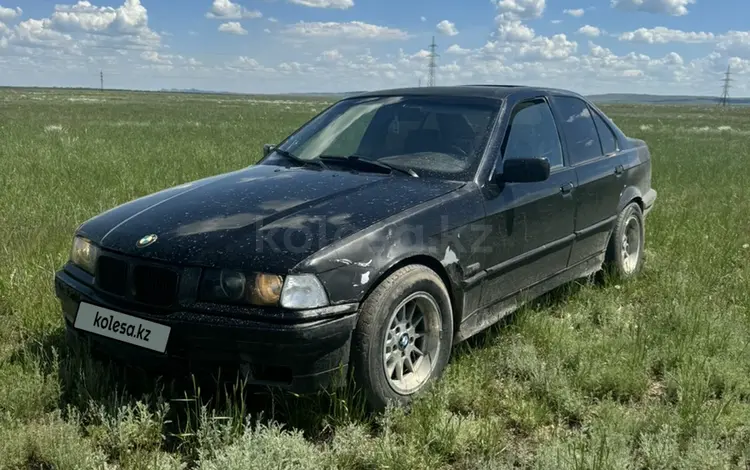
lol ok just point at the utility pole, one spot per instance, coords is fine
(101, 78)
(432, 65)
(724, 100)
(420, 82)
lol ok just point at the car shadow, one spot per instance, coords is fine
(89, 380)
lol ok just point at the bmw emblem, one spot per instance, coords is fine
(146, 241)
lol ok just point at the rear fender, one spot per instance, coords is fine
(630, 194)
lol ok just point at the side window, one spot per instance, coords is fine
(579, 128)
(533, 133)
(606, 136)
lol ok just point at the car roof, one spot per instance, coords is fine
(493, 92)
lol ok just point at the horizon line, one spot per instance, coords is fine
(220, 92)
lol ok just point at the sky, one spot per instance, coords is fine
(279, 46)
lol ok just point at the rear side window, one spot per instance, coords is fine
(579, 128)
(606, 136)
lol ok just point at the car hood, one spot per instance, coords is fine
(262, 218)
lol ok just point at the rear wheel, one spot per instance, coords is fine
(626, 245)
(403, 338)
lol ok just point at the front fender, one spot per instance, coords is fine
(351, 278)
(351, 282)
(430, 234)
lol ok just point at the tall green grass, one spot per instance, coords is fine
(653, 373)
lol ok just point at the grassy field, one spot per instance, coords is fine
(653, 373)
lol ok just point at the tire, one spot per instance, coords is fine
(624, 258)
(379, 330)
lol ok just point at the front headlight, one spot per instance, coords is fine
(84, 254)
(303, 291)
(299, 291)
(228, 286)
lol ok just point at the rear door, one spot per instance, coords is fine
(531, 224)
(594, 153)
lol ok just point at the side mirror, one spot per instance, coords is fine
(524, 170)
(268, 148)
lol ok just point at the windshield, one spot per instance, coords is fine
(441, 137)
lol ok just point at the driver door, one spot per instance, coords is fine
(531, 224)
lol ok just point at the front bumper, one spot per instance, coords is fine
(301, 356)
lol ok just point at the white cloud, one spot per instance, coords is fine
(556, 21)
(673, 58)
(232, 27)
(578, 12)
(632, 73)
(83, 16)
(227, 10)
(130, 18)
(662, 35)
(331, 55)
(272, 19)
(457, 50)
(520, 9)
(155, 58)
(350, 30)
(422, 19)
(7, 14)
(86, 25)
(511, 15)
(590, 31)
(669, 7)
(736, 43)
(167, 61)
(338, 4)
(518, 42)
(450, 68)
(76, 35)
(247, 64)
(39, 33)
(448, 28)
(553, 48)
(515, 31)
(74, 39)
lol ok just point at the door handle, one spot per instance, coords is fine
(619, 169)
(567, 188)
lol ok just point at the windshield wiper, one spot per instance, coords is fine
(301, 161)
(358, 160)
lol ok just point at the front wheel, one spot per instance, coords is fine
(403, 337)
(626, 245)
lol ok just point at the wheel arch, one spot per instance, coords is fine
(455, 293)
(630, 194)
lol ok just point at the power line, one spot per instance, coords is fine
(432, 65)
(724, 100)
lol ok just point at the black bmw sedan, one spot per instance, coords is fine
(385, 230)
